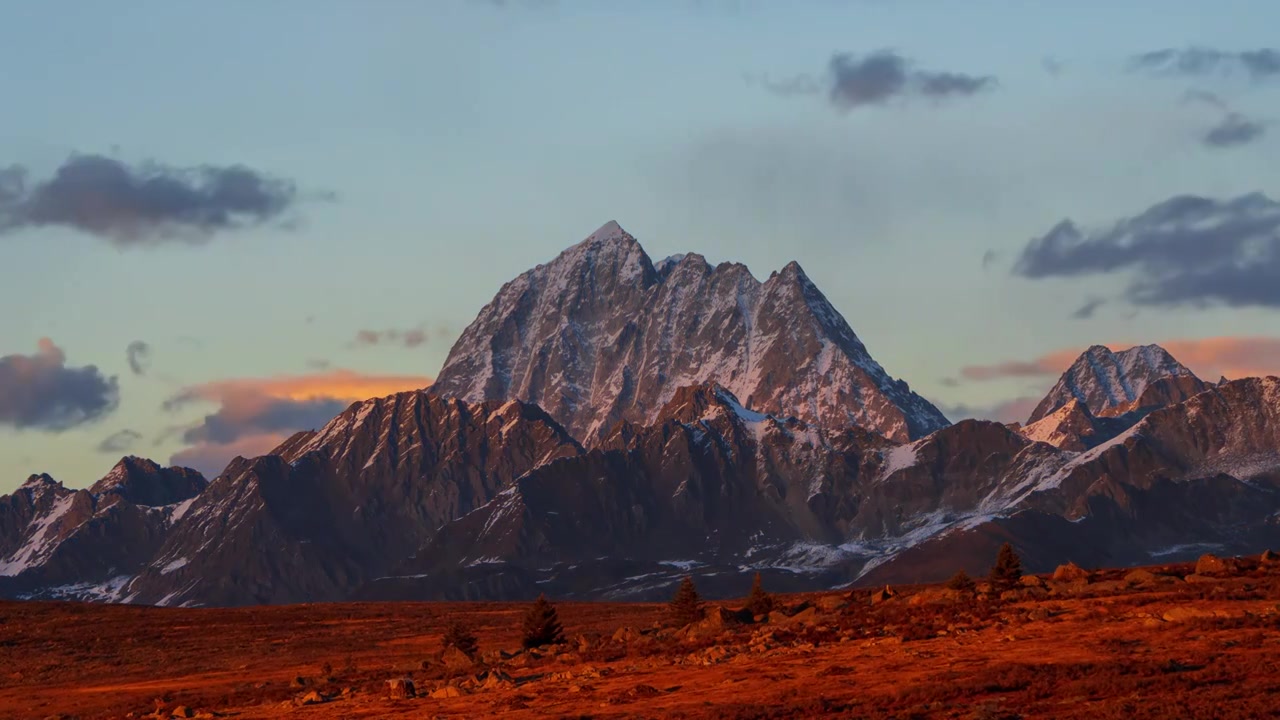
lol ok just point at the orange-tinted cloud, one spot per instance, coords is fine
(256, 414)
(1233, 357)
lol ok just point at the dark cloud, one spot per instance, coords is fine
(145, 204)
(1086, 311)
(41, 392)
(119, 442)
(139, 354)
(1052, 65)
(854, 81)
(254, 416)
(988, 258)
(411, 338)
(1234, 130)
(1185, 250)
(1200, 61)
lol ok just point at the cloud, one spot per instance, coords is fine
(1187, 250)
(1052, 65)
(1209, 358)
(1086, 311)
(42, 392)
(1259, 64)
(1006, 411)
(411, 338)
(119, 442)
(989, 258)
(1234, 130)
(261, 412)
(139, 355)
(212, 459)
(854, 81)
(146, 204)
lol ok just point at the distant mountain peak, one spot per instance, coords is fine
(599, 335)
(1110, 383)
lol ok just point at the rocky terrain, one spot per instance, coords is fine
(1193, 641)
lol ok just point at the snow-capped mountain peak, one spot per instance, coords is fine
(1110, 383)
(599, 335)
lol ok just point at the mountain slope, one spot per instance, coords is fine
(57, 542)
(331, 509)
(601, 334)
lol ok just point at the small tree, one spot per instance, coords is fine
(1007, 572)
(459, 636)
(962, 583)
(542, 625)
(759, 602)
(686, 606)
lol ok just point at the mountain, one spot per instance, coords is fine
(56, 542)
(602, 334)
(1109, 384)
(723, 491)
(332, 509)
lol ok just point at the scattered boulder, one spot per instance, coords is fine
(1070, 573)
(457, 661)
(1269, 557)
(311, 698)
(1197, 578)
(446, 691)
(1210, 564)
(182, 711)
(1032, 581)
(494, 679)
(401, 688)
(1186, 612)
(625, 635)
(1140, 577)
(883, 594)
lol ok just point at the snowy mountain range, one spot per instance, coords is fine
(608, 424)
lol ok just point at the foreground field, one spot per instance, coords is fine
(1168, 643)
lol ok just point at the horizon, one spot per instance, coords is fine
(260, 226)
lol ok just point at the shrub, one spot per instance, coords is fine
(458, 636)
(759, 602)
(542, 625)
(686, 606)
(961, 582)
(1007, 572)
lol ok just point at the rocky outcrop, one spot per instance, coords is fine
(600, 334)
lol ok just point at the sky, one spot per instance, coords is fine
(224, 222)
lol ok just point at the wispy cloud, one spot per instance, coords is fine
(119, 442)
(138, 354)
(856, 81)
(1195, 61)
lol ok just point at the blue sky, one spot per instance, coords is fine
(438, 149)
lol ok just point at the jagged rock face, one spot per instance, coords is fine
(144, 482)
(1073, 427)
(331, 509)
(600, 335)
(1110, 384)
(58, 542)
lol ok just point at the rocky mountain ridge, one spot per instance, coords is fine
(601, 334)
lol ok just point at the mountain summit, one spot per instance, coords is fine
(1110, 384)
(601, 334)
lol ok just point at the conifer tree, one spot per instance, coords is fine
(542, 625)
(1007, 572)
(759, 602)
(961, 582)
(686, 606)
